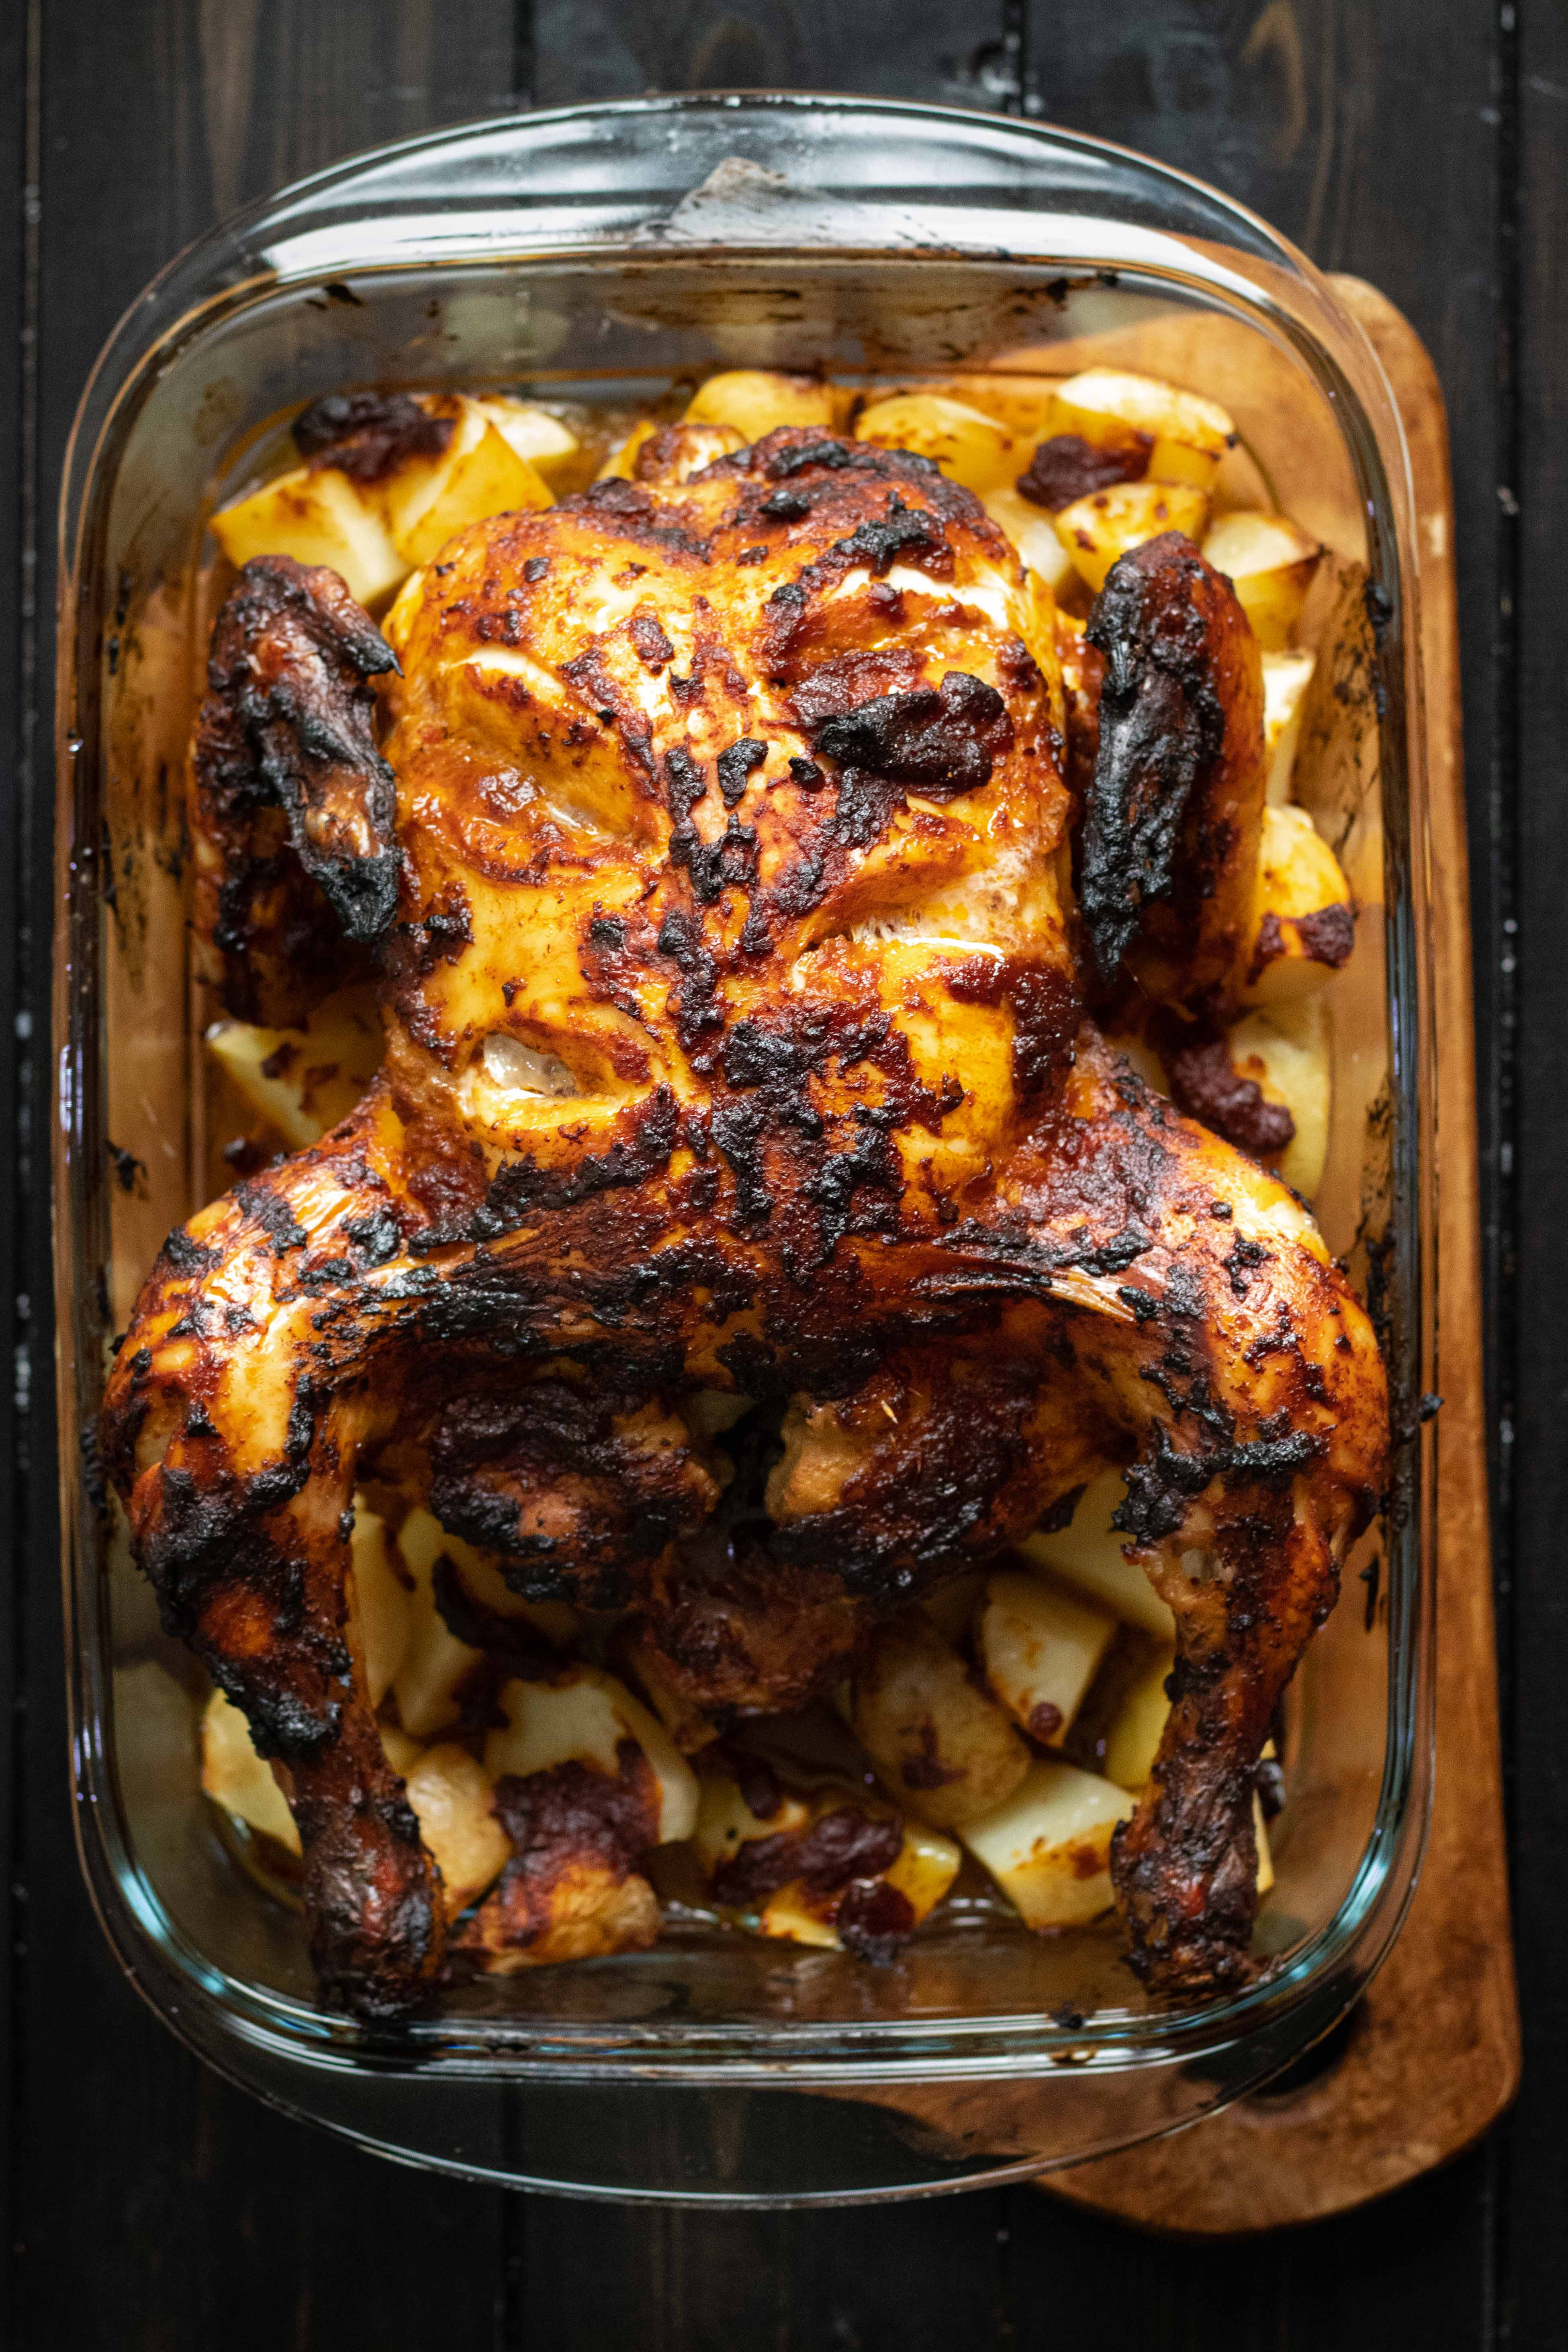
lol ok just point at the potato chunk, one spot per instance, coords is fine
(944, 1748)
(547, 444)
(1303, 927)
(1287, 1050)
(381, 1609)
(756, 401)
(1033, 534)
(1106, 524)
(826, 1866)
(452, 1796)
(316, 515)
(1269, 560)
(583, 1717)
(1049, 1847)
(1286, 678)
(478, 474)
(1134, 1740)
(303, 1081)
(1107, 405)
(969, 446)
(1088, 1553)
(435, 1663)
(1040, 1648)
(239, 1779)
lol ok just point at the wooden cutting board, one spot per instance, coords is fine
(1432, 2056)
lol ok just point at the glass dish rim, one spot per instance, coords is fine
(1360, 1932)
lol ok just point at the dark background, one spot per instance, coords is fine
(1419, 142)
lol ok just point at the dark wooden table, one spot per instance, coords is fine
(1422, 143)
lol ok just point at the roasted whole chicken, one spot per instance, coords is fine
(752, 867)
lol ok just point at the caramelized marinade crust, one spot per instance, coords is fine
(736, 1043)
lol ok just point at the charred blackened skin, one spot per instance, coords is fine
(1327, 935)
(839, 1846)
(1206, 1084)
(1067, 467)
(289, 706)
(1160, 725)
(942, 740)
(874, 1920)
(366, 434)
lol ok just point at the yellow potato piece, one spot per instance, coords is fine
(1023, 405)
(1286, 678)
(1134, 1740)
(1033, 535)
(924, 1869)
(1303, 925)
(435, 1663)
(945, 1749)
(756, 401)
(1107, 405)
(317, 516)
(1040, 1647)
(582, 1717)
(303, 1081)
(547, 444)
(1287, 1050)
(725, 1823)
(969, 446)
(239, 1779)
(1269, 560)
(1049, 1847)
(381, 1609)
(1106, 524)
(618, 465)
(452, 1794)
(1088, 1553)
(478, 475)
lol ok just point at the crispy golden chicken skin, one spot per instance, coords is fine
(735, 995)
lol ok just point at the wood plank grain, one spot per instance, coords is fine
(897, 48)
(154, 2206)
(18, 636)
(1535, 2249)
(160, 115)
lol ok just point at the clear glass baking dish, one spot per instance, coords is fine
(597, 253)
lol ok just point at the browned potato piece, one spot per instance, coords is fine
(1039, 1645)
(303, 1081)
(452, 1794)
(548, 445)
(943, 1747)
(1033, 534)
(758, 400)
(1049, 1847)
(1286, 678)
(1269, 560)
(1106, 405)
(427, 499)
(837, 1847)
(380, 1608)
(1303, 928)
(1287, 1051)
(1106, 524)
(316, 515)
(239, 1779)
(969, 446)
